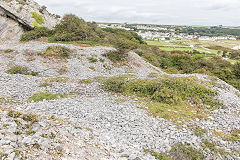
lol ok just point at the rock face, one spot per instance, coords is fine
(19, 15)
(10, 30)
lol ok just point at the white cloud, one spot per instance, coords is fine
(187, 12)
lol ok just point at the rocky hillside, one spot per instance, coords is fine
(17, 16)
(62, 101)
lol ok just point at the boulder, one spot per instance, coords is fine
(19, 15)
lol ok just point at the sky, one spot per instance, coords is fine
(166, 12)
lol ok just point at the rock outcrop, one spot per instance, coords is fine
(19, 15)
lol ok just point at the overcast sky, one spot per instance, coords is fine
(174, 12)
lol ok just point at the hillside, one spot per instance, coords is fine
(110, 126)
(80, 92)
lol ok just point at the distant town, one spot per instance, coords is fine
(160, 33)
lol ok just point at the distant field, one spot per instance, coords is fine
(159, 43)
(176, 46)
(223, 43)
(202, 46)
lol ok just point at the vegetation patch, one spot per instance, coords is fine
(38, 20)
(57, 79)
(45, 84)
(45, 95)
(8, 51)
(181, 62)
(212, 146)
(115, 56)
(3, 155)
(234, 136)
(74, 30)
(199, 131)
(92, 59)
(179, 151)
(5, 100)
(159, 156)
(85, 81)
(21, 70)
(57, 51)
(173, 98)
(26, 117)
(37, 33)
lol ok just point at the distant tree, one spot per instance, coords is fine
(236, 70)
(224, 54)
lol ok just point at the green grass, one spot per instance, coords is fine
(45, 95)
(21, 70)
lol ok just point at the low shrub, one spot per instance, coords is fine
(186, 151)
(58, 51)
(57, 79)
(21, 70)
(36, 33)
(184, 63)
(115, 56)
(92, 59)
(175, 99)
(168, 90)
(8, 51)
(179, 151)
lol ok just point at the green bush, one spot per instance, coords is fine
(181, 62)
(72, 28)
(92, 59)
(115, 56)
(36, 33)
(168, 90)
(179, 152)
(21, 70)
(58, 51)
(186, 151)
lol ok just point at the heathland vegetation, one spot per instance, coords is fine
(72, 29)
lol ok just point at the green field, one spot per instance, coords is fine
(201, 46)
(180, 47)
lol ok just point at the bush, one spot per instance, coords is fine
(179, 151)
(72, 28)
(115, 56)
(186, 151)
(36, 33)
(58, 51)
(236, 70)
(181, 62)
(168, 90)
(21, 70)
(45, 95)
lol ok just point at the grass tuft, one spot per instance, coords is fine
(45, 95)
(21, 70)
(57, 51)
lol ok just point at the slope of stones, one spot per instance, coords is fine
(112, 126)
